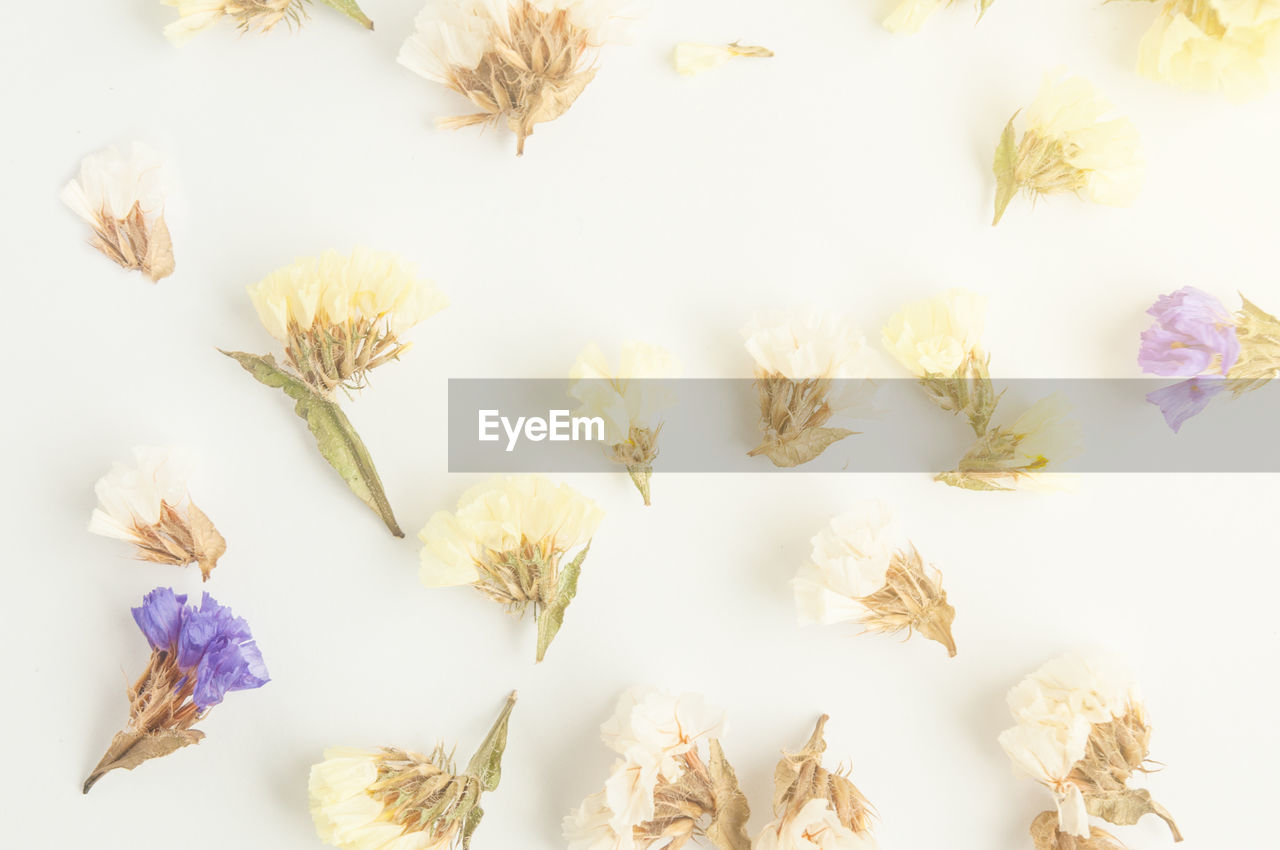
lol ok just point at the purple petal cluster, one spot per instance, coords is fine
(1179, 402)
(1193, 334)
(208, 642)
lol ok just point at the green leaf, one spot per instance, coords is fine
(803, 447)
(551, 617)
(469, 825)
(1127, 807)
(486, 764)
(1006, 162)
(338, 441)
(728, 827)
(968, 481)
(352, 10)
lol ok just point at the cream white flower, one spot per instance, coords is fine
(146, 503)
(652, 723)
(122, 197)
(1207, 45)
(628, 792)
(630, 396)
(590, 827)
(850, 560)
(808, 345)
(520, 62)
(908, 16)
(934, 336)
(248, 15)
(816, 826)
(1045, 435)
(692, 58)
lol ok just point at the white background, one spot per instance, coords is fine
(852, 172)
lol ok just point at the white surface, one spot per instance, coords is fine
(852, 171)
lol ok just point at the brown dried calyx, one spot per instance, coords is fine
(532, 575)
(969, 391)
(801, 778)
(134, 243)
(532, 73)
(705, 802)
(1116, 750)
(637, 455)
(1046, 836)
(912, 600)
(263, 15)
(329, 357)
(793, 416)
(180, 538)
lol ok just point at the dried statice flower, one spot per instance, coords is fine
(940, 341)
(122, 198)
(1082, 732)
(147, 504)
(198, 656)
(1195, 337)
(692, 58)
(813, 808)
(861, 571)
(339, 317)
(672, 786)
(908, 16)
(510, 539)
(249, 15)
(520, 62)
(1020, 454)
(1069, 146)
(1211, 45)
(797, 358)
(1045, 835)
(630, 400)
(394, 799)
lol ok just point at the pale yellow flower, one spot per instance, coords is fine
(260, 15)
(908, 16)
(1210, 45)
(629, 396)
(935, 336)
(808, 345)
(692, 58)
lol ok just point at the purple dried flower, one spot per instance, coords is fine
(1193, 334)
(1179, 402)
(160, 617)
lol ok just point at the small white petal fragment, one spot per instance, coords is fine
(692, 58)
(122, 197)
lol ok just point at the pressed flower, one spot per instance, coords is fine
(248, 15)
(629, 399)
(147, 504)
(340, 317)
(1212, 45)
(521, 62)
(122, 197)
(860, 571)
(1082, 732)
(797, 358)
(815, 809)
(510, 539)
(673, 784)
(395, 799)
(940, 341)
(1069, 145)
(692, 58)
(198, 656)
(1009, 456)
(908, 16)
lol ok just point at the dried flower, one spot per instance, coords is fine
(1046, 836)
(339, 318)
(1210, 45)
(797, 358)
(1069, 146)
(692, 58)
(859, 572)
(198, 656)
(630, 402)
(940, 341)
(394, 799)
(1007, 457)
(815, 808)
(248, 15)
(908, 16)
(508, 539)
(147, 504)
(122, 198)
(672, 785)
(1082, 732)
(521, 62)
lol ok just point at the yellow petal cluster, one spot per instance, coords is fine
(347, 815)
(631, 395)
(908, 16)
(934, 336)
(1211, 45)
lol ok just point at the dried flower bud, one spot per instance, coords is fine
(1023, 453)
(248, 15)
(147, 505)
(1068, 147)
(801, 779)
(692, 58)
(122, 198)
(1046, 836)
(394, 799)
(508, 539)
